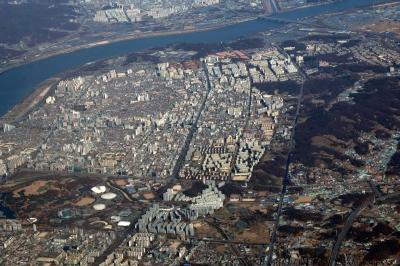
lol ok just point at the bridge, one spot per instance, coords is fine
(298, 22)
(271, 6)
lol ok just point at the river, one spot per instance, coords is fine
(19, 82)
(4, 210)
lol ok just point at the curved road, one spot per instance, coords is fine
(342, 235)
(126, 195)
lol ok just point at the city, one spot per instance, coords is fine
(279, 148)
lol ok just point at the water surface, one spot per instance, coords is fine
(19, 82)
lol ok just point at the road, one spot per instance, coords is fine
(374, 187)
(182, 156)
(298, 22)
(349, 221)
(120, 238)
(268, 258)
(248, 115)
(126, 195)
(378, 197)
(232, 242)
(243, 260)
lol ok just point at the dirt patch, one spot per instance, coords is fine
(221, 249)
(257, 233)
(383, 26)
(304, 199)
(175, 244)
(34, 189)
(85, 201)
(121, 182)
(205, 230)
(149, 195)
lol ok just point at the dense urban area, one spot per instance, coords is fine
(280, 148)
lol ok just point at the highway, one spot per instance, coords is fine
(377, 197)
(349, 221)
(285, 181)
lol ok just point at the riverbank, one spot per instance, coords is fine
(33, 79)
(23, 108)
(143, 35)
(127, 36)
(44, 89)
(140, 35)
